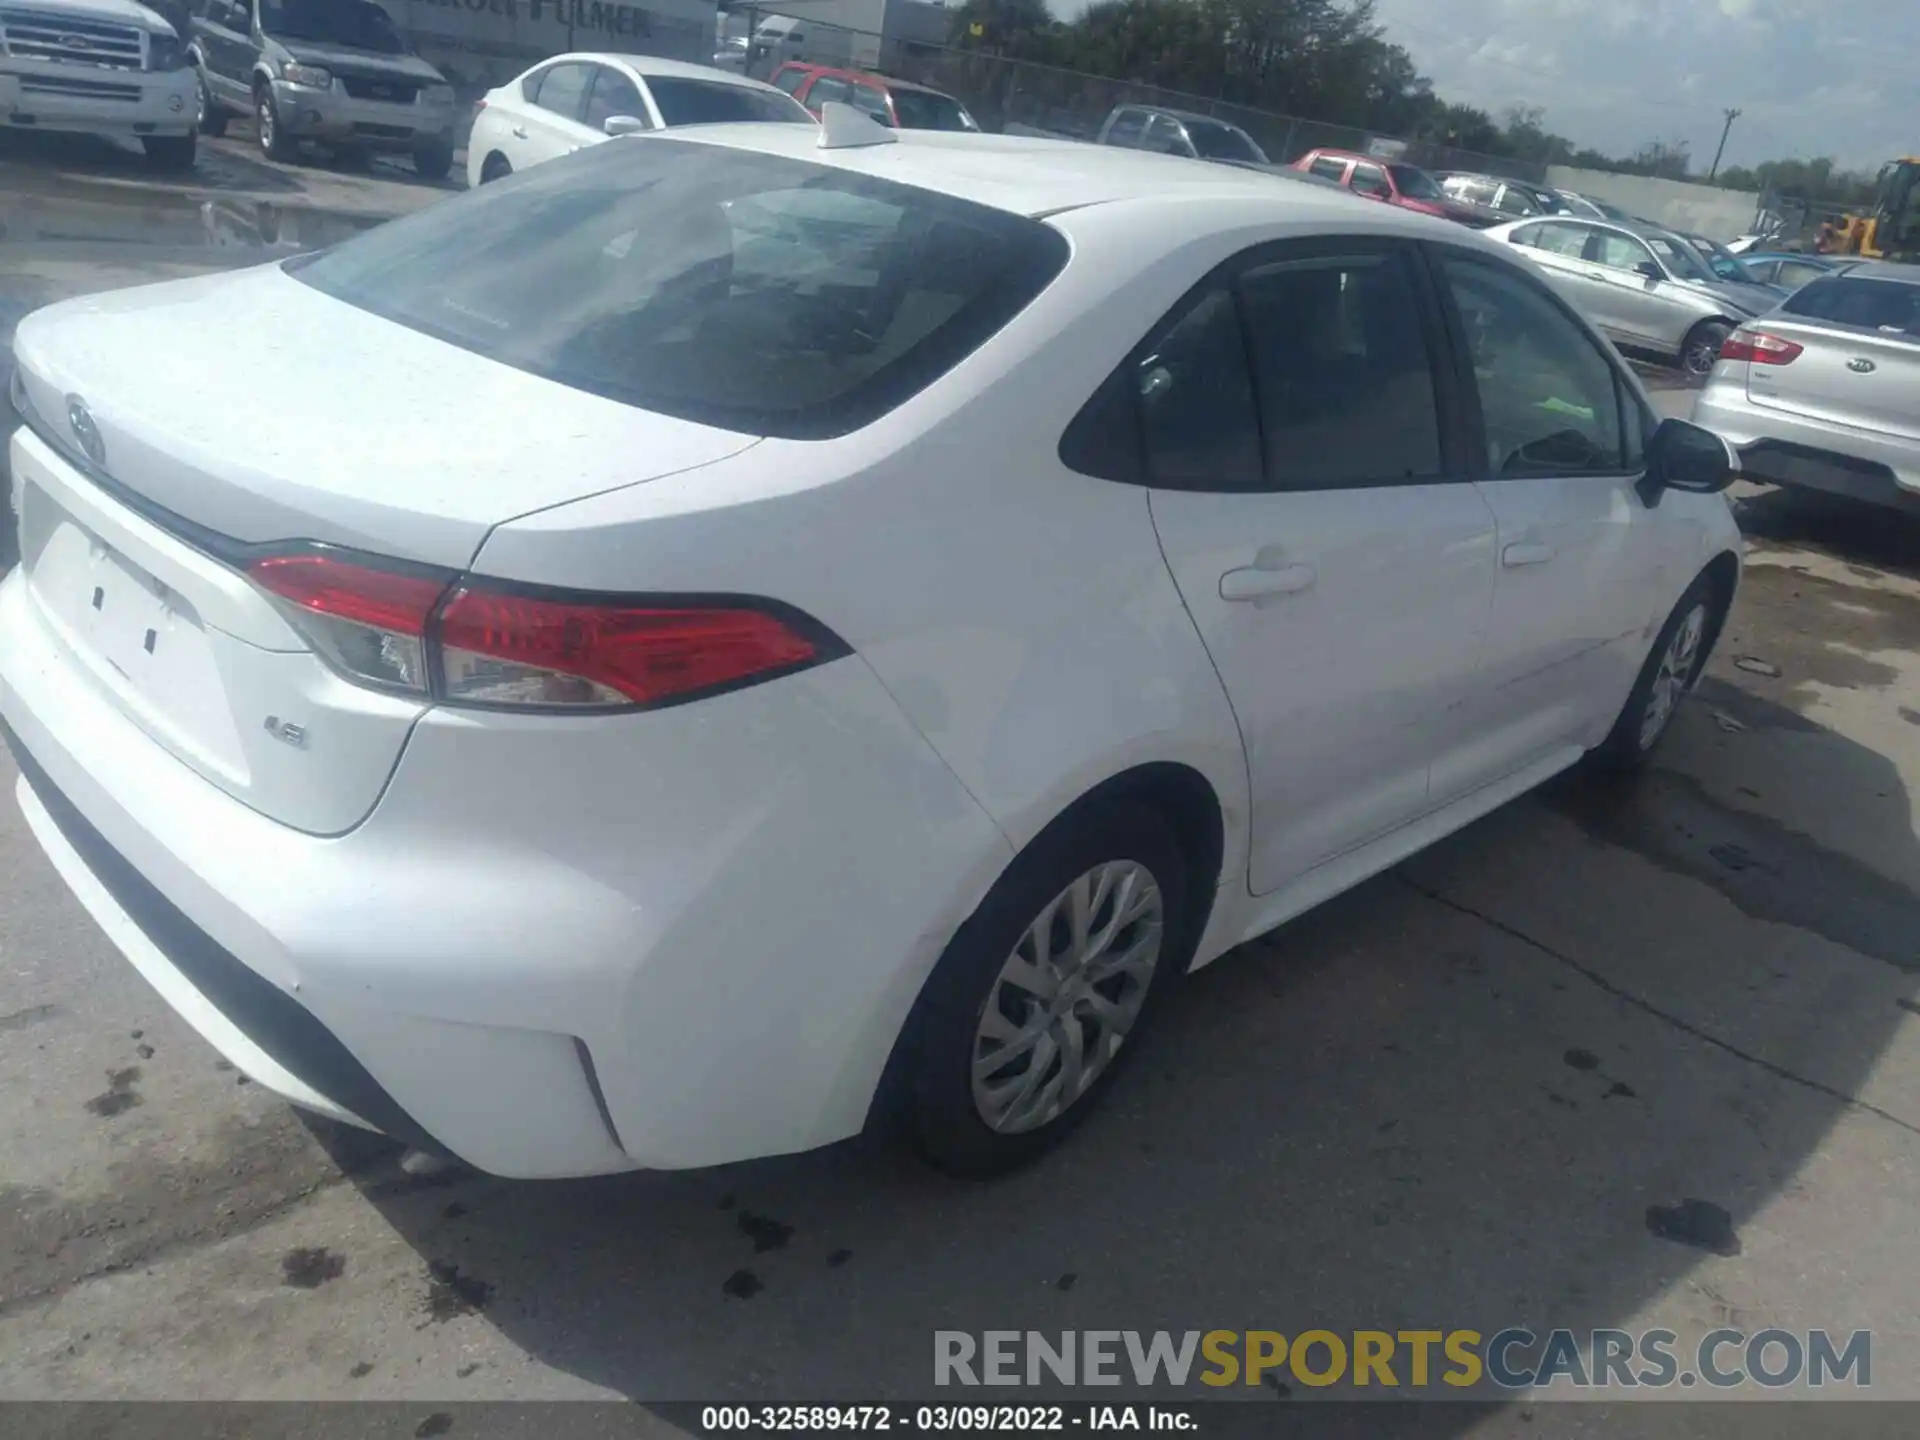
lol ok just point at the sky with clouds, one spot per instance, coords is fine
(1814, 77)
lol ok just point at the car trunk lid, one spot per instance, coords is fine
(1848, 376)
(178, 430)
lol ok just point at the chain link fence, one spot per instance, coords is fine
(1021, 97)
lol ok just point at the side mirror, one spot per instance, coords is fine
(624, 125)
(1684, 456)
(1651, 270)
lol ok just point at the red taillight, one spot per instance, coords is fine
(406, 629)
(370, 622)
(501, 648)
(1759, 348)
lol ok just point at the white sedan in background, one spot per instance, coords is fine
(582, 98)
(727, 640)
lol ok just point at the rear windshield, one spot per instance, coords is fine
(757, 293)
(714, 102)
(924, 110)
(1889, 306)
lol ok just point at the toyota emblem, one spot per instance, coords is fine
(85, 432)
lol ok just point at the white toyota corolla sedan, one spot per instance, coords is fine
(720, 640)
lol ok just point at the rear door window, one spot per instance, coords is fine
(1197, 411)
(1343, 370)
(1127, 128)
(750, 291)
(1371, 180)
(872, 100)
(563, 90)
(1327, 168)
(790, 77)
(825, 88)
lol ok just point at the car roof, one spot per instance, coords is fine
(1184, 116)
(1035, 177)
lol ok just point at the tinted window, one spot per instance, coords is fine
(789, 80)
(1514, 202)
(828, 87)
(1549, 399)
(1617, 251)
(924, 110)
(1865, 304)
(357, 23)
(614, 94)
(714, 102)
(1415, 182)
(1794, 273)
(763, 294)
(1165, 136)
(563, 89)
(1127, 128)
(1329, 169)
(1371, 180)
(1223, 142)
(1345, 385)
(1196, 402)
(872, 100)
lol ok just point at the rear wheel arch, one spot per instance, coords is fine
(1723, 574)
(1180, 797)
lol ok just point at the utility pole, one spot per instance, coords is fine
(1725, 130)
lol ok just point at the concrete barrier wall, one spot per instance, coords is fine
(1705, 209)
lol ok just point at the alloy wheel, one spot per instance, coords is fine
(1673, 677)
(1067, 997)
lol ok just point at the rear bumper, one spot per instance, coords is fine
(555, 947)
(1783, 449)
(127, 103)
(336, 118)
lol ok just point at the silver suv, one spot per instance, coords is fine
(1647, 288)
(1825, 391)
(335, 71)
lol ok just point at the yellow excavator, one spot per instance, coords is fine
(1892, 230)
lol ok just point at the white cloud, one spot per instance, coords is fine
(1619, 73)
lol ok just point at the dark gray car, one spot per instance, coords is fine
(335, 71)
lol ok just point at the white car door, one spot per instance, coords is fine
(549, 123)
(1581, 569)
(1309, 483)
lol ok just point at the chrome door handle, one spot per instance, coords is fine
(1526, 552)
(519, 132)
(1253, 583)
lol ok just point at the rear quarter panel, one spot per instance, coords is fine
(1019, 613)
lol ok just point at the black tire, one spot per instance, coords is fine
(1631, 743)
(934, 1063)
(275, 143)
(213, 119)
(1701, 349)
(496, 167)
(170, 152)
(432, 162)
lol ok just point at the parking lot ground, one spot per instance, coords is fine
(1466, 1094)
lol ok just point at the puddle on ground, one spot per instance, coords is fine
(165, 221)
